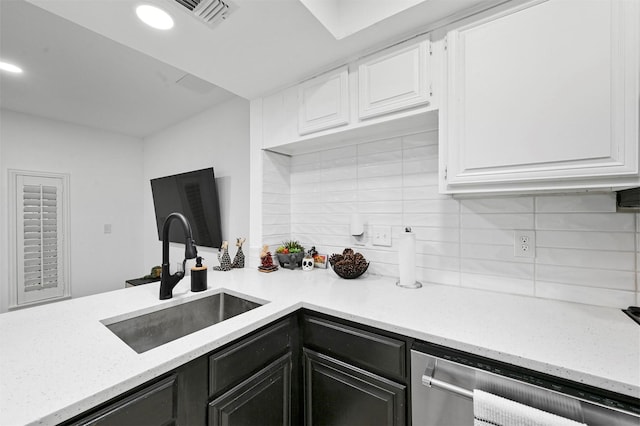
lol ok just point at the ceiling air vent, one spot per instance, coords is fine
(208, 11)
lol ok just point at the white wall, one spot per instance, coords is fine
(585, 252)
(218, 138)
(106, 176)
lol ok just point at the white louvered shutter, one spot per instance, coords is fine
(39, 232)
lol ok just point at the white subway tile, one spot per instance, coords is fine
(280, 209)
(496, 283)
(380, 158)
(417, 139)
(380, 182)
(383, 219)
(379, 169)
(496, 221)
(437, 276)
(420, 180)
(305, 197)
(431, 206)
(275, 219)
(305, 159)
(492, 252)
(385, 145)
(493, 267)
(272, 198)
(587, 295)
(498, 205)
(438, 262)
(436, 234)
(623, 241)
(420, 152)
(339, 173)
(480, 236)
(424, 193)
(338, 196)
(588, 277)
(585, 221)
(380, 195)
(339, 156)
(430, 219)
(579, 203)
(616, 260)
(339, 185)
(420, 165)
(380, 207)
(438, 248)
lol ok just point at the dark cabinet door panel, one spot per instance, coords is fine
(154, 405)
(362, 348)
(263, 399)
(237, 362)
(337, 393)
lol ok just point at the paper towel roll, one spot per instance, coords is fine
(407, 258)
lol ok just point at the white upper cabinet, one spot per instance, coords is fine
(279, 117)
(323, 102)
(542, 97)
(393, 80)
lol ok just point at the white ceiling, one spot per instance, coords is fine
(80, 76)
(74, 75)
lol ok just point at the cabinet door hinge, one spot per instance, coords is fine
(430, 49)
(445, 173)
(431, 89)
(445, 43)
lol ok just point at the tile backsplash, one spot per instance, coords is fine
(584, 251)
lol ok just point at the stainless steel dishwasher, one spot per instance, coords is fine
(443, 381)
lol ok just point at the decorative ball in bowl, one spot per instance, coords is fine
(348, 265)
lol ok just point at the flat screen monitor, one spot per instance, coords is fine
(193, 194)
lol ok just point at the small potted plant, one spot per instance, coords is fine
(290, 254)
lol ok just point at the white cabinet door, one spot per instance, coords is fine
(279, 118)
(323, 102)
(543, 97)
(394, 80)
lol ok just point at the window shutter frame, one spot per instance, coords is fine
(39, 235)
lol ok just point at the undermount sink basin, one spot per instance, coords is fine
(150, 330)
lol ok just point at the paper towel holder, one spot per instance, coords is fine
(416, 284)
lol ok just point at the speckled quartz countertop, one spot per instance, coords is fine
(59, 360)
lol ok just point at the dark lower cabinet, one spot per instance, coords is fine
(304, 369)
(263, 399)
(155, 404)
(337, 393)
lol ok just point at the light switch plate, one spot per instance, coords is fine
(381, 236)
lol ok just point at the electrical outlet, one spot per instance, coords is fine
(524, 243)
(381, 236)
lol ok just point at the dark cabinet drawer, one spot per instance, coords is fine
(361, 348)
(239, 361)
(153, 405)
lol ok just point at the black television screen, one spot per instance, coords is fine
(193, 194)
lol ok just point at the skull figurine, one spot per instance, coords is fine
(307, 263)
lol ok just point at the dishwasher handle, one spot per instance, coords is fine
(430, 381)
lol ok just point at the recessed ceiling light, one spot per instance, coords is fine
(5, 66)
(154, 17)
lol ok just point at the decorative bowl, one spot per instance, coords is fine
(290, 260)
(349, 274)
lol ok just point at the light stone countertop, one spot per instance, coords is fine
(58, 360)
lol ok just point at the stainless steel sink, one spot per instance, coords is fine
(156, 328)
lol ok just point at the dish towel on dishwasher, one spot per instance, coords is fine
(493, 410)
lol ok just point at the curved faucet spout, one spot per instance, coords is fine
(168, 281)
